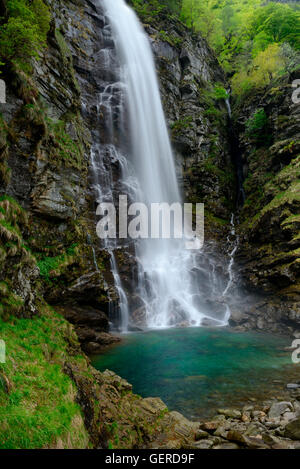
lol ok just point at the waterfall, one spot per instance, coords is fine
(228, 105)
(232, 254)
(174, 286)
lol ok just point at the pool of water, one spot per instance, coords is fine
(198, 370)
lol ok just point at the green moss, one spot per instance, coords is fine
(212, 219)
(40, 408)
(214, 113)
(269, 192)
(171, 39)
(181, 124)
(257, 128)
(67, 150)
(66, 58)
(225, 177)
(13, 254)
(50, 266)
(5, 171)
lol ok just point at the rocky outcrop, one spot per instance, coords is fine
(117, 418)
(91, 326)
(268, 125)
(44, 166)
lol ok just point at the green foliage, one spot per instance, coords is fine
(25, 32)
(147, 9)
(40, 407)
(256, 127)
(150, 10)
(267, 65)
(278, 23)
(220, 92)
(48, 265)
(181, 124)
(241, 31)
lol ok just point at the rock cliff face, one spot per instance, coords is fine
(45, 167)
(55, 120)
(269, 129)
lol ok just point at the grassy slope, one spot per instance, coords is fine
(39, 410)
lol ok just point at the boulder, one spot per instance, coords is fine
(201, 435)
(203, 444)
(183, 427)
(114, 380)
(292, 430)
(211, 426)
(231, 413)
(278, 408)
(227, 446)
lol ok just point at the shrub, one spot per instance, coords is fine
(25, 32)
(266, 66)
(257, 126)
(220, 92)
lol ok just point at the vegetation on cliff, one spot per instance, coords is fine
(23, 31)
(38, 406)
(256, 42)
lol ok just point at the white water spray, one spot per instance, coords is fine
(168, 284)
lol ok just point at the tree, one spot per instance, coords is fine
(265, 67)
(279, 22)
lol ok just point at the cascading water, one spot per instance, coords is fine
(172, 282)
(232, 254)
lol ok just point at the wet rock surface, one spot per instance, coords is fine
(91, 326)
(268, 254)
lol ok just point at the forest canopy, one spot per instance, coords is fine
(256, 41)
